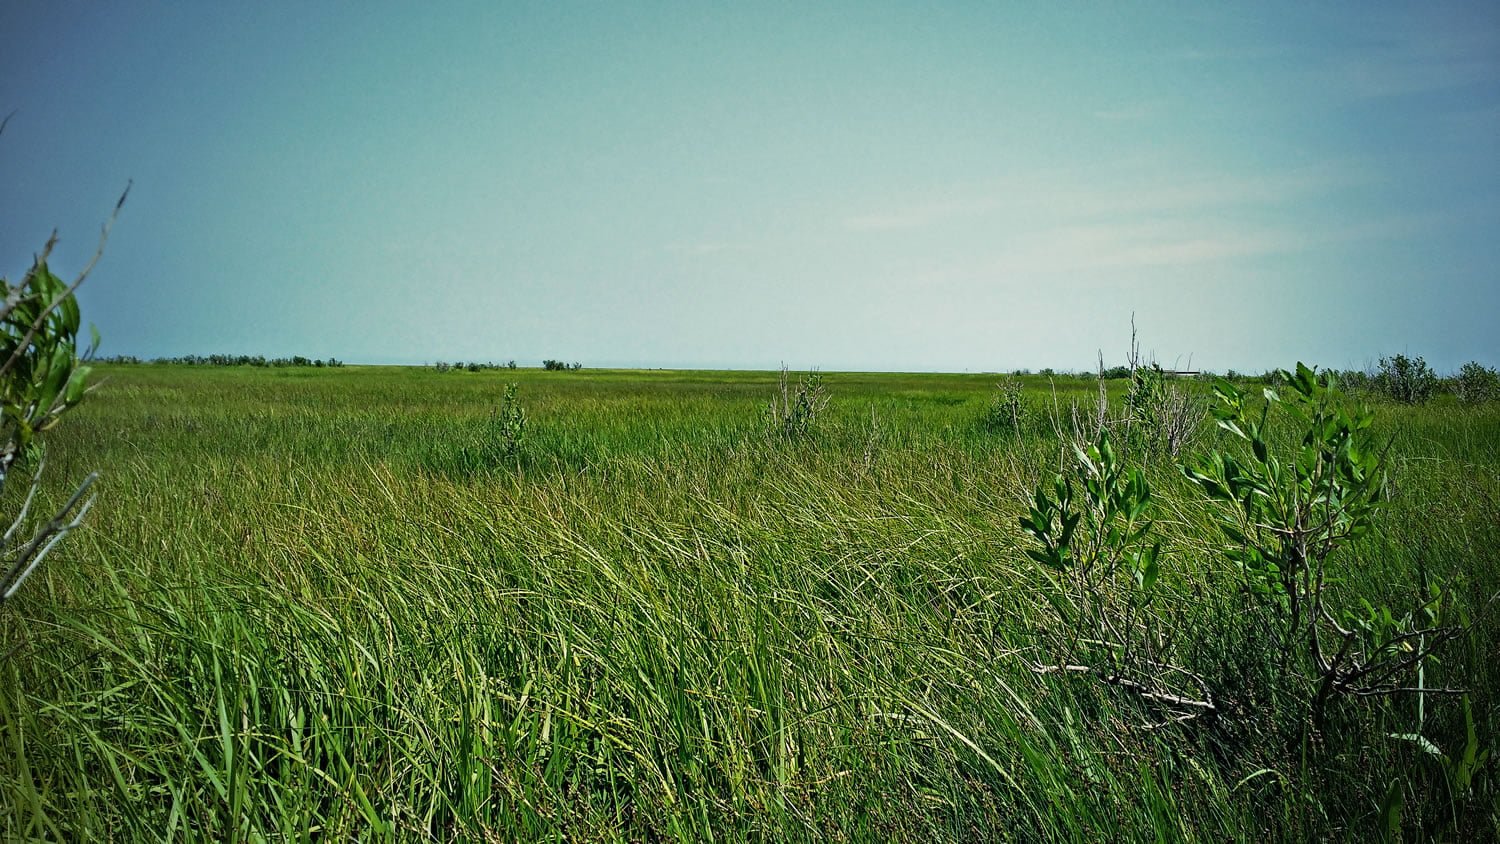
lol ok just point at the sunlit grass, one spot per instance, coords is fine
(301, 610)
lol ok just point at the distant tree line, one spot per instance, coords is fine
(471, 366)
(224, 360)
(476, 366)
(1400, 378)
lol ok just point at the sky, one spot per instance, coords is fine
(863, 186)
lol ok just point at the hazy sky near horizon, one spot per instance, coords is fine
(955, 186)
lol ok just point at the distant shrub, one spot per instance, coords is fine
(508, 426)
(1406, 380)
(1476, 383)
(560, 366)
(794, 408)
(1160, 415)
(1010, 411)
(1115, 373)
(469, 366)
(1355, 380)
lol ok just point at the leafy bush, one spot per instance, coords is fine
(1161, 416)
(1096, 543)
(1287, 514)
(1406, 380)
(1010, 411)
(1476, 383)
(794, 409)
(559, 366)
(508, 426)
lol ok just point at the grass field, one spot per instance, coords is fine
(312, 604)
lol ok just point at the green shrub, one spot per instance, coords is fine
(507, 431)
(795, 408)
(1476, 383)
(1161, 417)
(1286, 514)
(1406, 380)
(1095, 540)
(1010, 411)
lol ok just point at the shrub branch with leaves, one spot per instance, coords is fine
(1095, 543)
(43, 374)
(1286, 514)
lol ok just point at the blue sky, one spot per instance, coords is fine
(960, 186)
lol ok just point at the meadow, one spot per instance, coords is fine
(323, 605)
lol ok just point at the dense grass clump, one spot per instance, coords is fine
(327, 604)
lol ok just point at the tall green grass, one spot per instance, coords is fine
(306, 608)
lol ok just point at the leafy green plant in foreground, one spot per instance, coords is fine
(1285, 516)
(1287, 513)
(43, 374)
(41, 377)
(1097, 546)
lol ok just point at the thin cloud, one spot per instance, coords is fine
(1158, 243)
(1065, 197)
(922, 214)
(711, 247)
(1162, 243)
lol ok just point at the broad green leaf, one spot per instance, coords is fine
(77, 384)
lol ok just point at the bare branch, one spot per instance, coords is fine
(47, 537)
